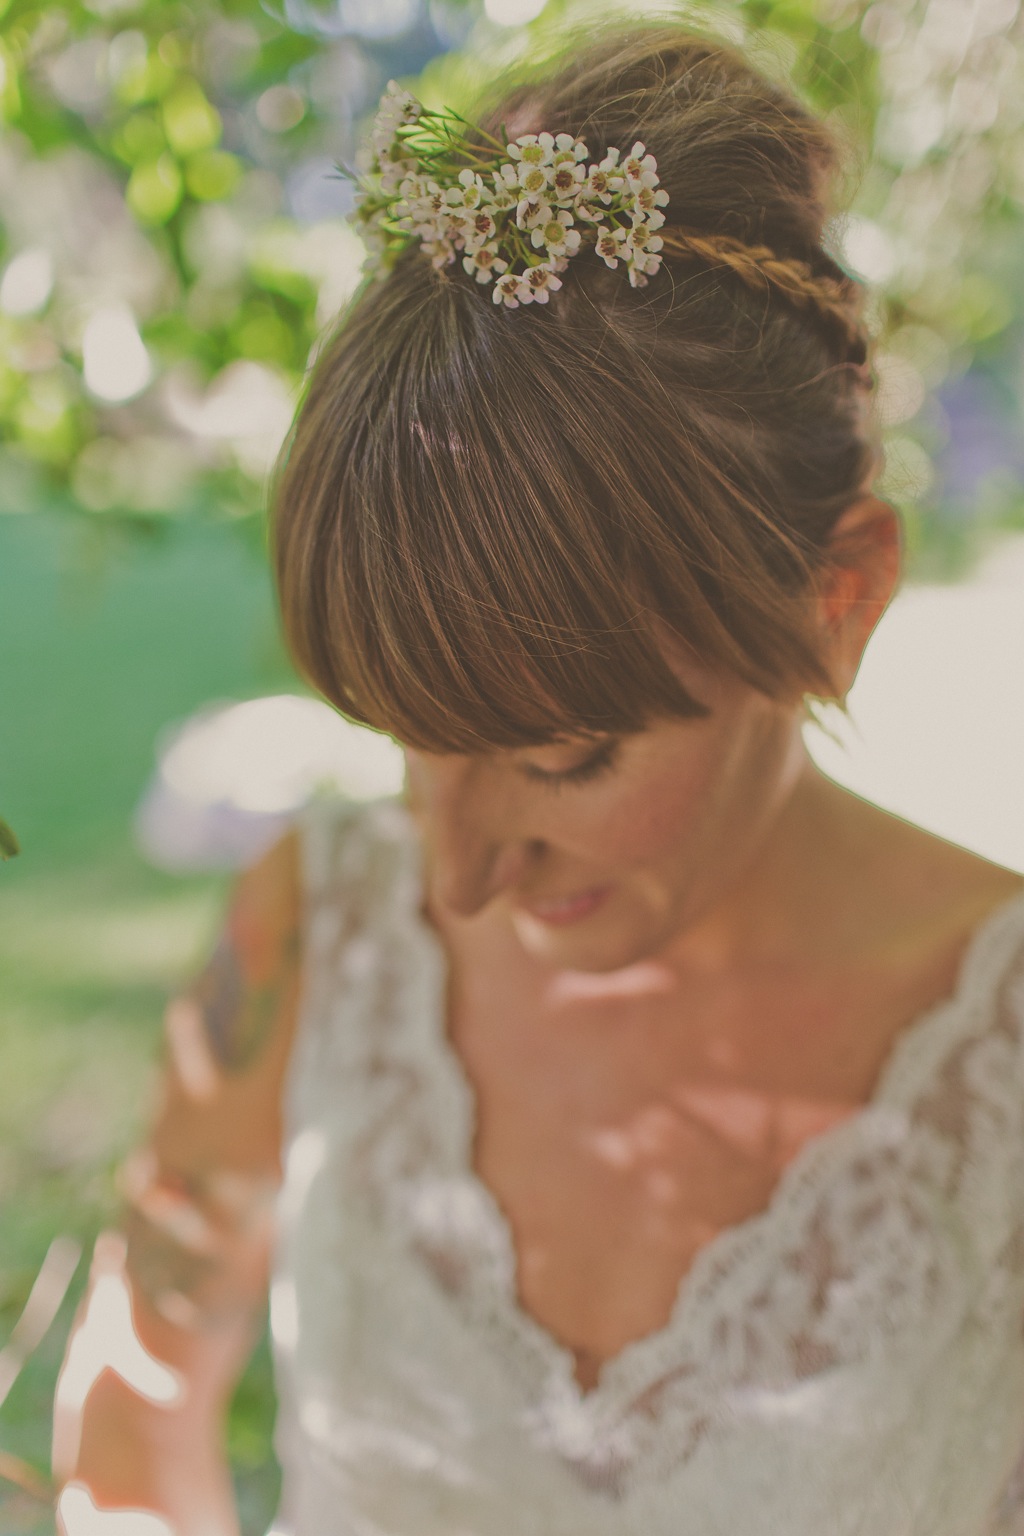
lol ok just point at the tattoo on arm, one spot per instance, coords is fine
(237, 1013)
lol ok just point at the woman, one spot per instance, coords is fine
(649, 1106)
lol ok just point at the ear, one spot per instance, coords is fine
(866, 556)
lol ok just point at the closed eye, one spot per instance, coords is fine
(593, 765)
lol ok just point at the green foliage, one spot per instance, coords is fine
(9, 848)
(165, 278)
(132, 227)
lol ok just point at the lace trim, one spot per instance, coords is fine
(847, 1263)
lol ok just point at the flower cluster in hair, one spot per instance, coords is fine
(516, 212)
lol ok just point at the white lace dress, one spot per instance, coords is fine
(848, 1363)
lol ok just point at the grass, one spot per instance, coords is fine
(99, 655)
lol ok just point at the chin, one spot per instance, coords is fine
(583, 946)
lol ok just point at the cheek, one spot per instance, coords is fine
(643, 816)
(674, 807)
(712, 787)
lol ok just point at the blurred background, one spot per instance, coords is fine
(172, 245)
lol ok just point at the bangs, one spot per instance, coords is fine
(485, 539)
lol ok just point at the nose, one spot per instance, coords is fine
(468, 830)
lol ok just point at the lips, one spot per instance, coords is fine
(560, 911)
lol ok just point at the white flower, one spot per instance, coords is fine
(644, 258)
(456, 228)
(394, 169)
(611, 167)
(647, 203)
(557, 234)
(484, 263)
(612, 245)
(540, 282)
(531, 213)
(506, 190)
(648, 221)
(601, 185)
(641, 169)
(567, 176)
(534, 181)
(510, 290)
(588, 212)
(532, 149)
(397, 107)
(469, 193)
(422, 208)
(567, 147)
(440, 251)
(481, 229)
(547, 185)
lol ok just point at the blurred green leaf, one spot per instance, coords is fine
(9, 846)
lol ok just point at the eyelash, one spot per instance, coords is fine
(584, 773)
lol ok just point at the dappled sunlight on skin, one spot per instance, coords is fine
(77, 1515)
(764, 1132)
(189, 1045)
(646, 979)
(106, 1340)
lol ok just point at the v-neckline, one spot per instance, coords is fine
(929, 1037)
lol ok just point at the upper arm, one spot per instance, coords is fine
(182, 1287)
(199, 1190)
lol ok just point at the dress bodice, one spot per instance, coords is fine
(850, 1362)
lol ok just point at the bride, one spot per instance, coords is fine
(630, 1119)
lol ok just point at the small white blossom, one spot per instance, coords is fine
(648, 221)
(645, 258)
(484, 263)
(469, 193)
(533, 149)
(541, 282)
(422, 208)
(612, 245)
(557, 234)
(533, 184)
(510, 290)
(640, 168)
(397, 108)
(441, 252)
(481, 229)
(529, 215)
(648, 204)
(394, 169)
(567, 177)
(566, 146)
(547, 190)
(600, 186)
(611, 167)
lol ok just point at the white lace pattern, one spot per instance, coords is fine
(848, 1363)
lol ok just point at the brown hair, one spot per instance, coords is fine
(487, 521)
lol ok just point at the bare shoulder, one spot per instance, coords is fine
(198, 1190)
(268, 893)
(229, 1030)
(933, 890)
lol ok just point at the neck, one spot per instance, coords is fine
(801, 894)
